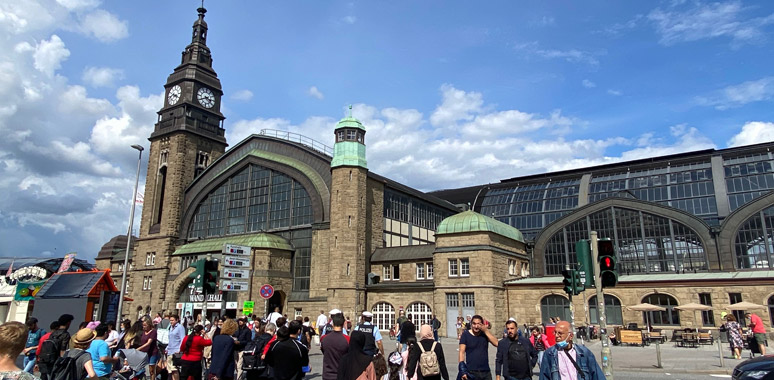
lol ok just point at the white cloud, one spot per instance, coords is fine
(74, 99)
(588, 84)
(315, 93)
(101, 76)
(569, 55)
(78, 4)
(349, 19)
(614, 92)
(49, 55)
(457, 105)
(104, 26)
(242, 95)
(114, 135)
(753, 132)
(740, 94)
(698, 21)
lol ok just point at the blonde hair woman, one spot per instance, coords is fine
(223, 363)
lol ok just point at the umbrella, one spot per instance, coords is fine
(646, 307)
(745, 306)
(694, 307)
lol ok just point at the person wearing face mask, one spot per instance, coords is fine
(567, 361)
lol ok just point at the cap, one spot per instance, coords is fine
(512, 319)
(368, 314)
(335, 311)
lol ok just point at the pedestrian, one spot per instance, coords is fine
(84, 363)
(427, 343)
(411, 343)
(133, 335)
(259, 371)
(539, 341)
(334, 347)
(734, 331)
(435, 324)
(157, 320)
(243, 336)
(758, 331)
(356, 364)
(474, 349)
(101, 357)
(61, 336)
(459, 325)
(515, 355)
(149, 345)
(306, 332)
(31, 346)
(322, 320)
(192, 348)
(13, 338)
(287, 357)
(176, 336)
(468, 322)
(568, 361)
(399, 322)
(46, 362)
(272, 317)
(328, 327)
(407, 329)
(223, 349)
(113, 336)
(373, 335)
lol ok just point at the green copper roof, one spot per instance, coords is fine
(350, 122)
(471, 221)
(349, 153)
(259, 240)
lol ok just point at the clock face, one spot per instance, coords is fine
(205, 97)
(174, 95)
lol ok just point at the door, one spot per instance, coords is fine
(452, 312)
(468, 305)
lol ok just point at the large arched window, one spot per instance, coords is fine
(421, 314)
(612, 310)
(754, 244)
(554, 306)
(670, 316)
(645, 243)
(384, 315)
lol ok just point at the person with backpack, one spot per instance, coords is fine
(13, 336)
(252, 363)
(47, 352)
(62, 336)
(76, 363)
(426, 357)
(515, 355)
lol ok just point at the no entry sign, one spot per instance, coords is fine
(267, 291)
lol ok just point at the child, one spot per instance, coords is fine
(411, 343)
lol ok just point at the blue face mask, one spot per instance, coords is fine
(562, 344)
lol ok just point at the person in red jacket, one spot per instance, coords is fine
(192, 348)
(539, 341)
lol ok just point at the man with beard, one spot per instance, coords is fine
(515, 355)
(474, 350)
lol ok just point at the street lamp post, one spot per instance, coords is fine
(129, 238)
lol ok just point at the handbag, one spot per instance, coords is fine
(177, 359)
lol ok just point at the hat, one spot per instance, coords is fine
(396, 358)
(84, 335)
(511, 319)
(368, 314)
(335, 311)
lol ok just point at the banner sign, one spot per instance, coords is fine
(26, 291)
(68, 260)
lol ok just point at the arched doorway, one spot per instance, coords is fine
(612, 310)
(384, 315)
(421, 314)
(554, 306)
(668, 317)
(276, 300)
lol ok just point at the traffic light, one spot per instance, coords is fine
(608, 273)
(583, 253)
(210, 281)
(568, 281)
(577, 286)
(198, 274)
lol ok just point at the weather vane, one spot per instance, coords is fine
(350, 106)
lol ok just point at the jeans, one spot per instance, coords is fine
(540, 357)
(435, 335)
(514, 378)
(29, 363)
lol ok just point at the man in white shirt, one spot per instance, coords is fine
(322, 320)
(274, 315)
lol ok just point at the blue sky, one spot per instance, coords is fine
(452, 93)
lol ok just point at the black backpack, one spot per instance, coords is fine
(251, 356)
(66, 368)
(49, 351)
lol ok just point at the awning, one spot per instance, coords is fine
(259, 240)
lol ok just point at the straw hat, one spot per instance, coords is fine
(84, 335)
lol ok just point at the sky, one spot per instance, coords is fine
(452, 93)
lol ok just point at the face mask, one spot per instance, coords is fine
(562, 344)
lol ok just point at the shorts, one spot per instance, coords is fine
(170, 365)
(760, 338)
(153, 359)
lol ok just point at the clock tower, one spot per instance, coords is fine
(187, 137)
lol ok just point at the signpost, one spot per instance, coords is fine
(233, 286)
(229, 273)
(238, 250)
(266, 292)
(236, 261)
(607, 357)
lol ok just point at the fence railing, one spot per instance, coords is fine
(301, 139)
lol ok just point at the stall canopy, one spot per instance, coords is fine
(77, 285)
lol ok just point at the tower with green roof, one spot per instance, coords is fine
(349, 149)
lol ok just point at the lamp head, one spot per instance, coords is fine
(138, 147)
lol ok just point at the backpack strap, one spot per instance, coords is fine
(420, 346)
(577, 367)
(433, 348)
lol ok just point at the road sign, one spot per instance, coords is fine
(233, 249)
(233, 286)
(236, 261)
(267, 291)
(235, 273)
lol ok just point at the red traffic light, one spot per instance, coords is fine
(607, 263)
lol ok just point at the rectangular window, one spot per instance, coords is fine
(511, 267)
(145, 283)
(396, 272)
(453, 269)
(736, 298)
(420, 271)
(464, 267)
(707, 318)
(147, 259)
(387, 272)
(429, 271)
(153, 258)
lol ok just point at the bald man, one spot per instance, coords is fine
(566, 361)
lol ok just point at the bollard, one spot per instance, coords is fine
(658, 354)
(720, 351)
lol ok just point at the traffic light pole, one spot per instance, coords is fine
(572, 308)
(204, 295)
(607, 357)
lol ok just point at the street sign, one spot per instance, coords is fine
(233, 249)
(233, 286)
(236, 261)
(235, 273)
(267, 291)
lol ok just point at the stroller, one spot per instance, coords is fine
(134, 363)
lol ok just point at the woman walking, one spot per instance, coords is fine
(426, 343)
(356, 364)
(734, 331)
(192, 348)
(222, 364)
(148, 345)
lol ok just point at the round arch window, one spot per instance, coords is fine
(384, 315)
(421, 314)
(554, 306)
(612, 310)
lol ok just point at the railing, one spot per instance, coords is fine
(301, 139)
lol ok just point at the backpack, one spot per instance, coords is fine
(49, 351)
(162, 337)
(66, 368)
(428, 361)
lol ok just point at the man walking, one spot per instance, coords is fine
(474, 350)
(758, 330)
(374, 336)
(407, 329)
(243, 336)
(334, 347)
(176, 335)
(515, 355)
(101, 359)
(273, 316)
(322, 320)
(435, 324)
(567, 361)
